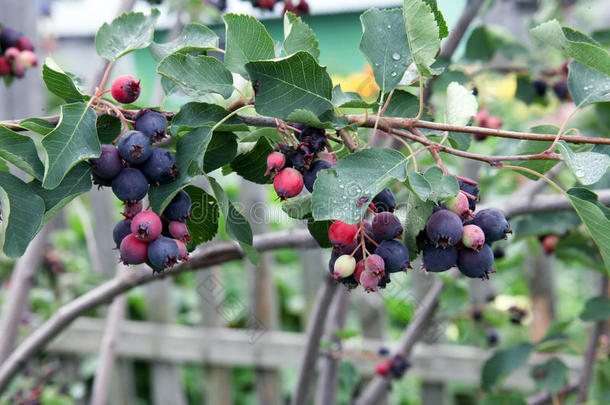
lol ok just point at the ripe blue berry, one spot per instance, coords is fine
(163, 253)
(394, 254)
(493, 223)
(160, 166)
(437, 259)
(310, 176)
(120, 231)
(130, 185)
(134, 147)
(386, 226)
(109, 164)
(152, 123)
(179, 209)
(125, 89)
(100, 181)
(313, 137)
(539, 86)
(384, 201)
(561, 90)
(444, 228)
(9, 37)
(475, 264)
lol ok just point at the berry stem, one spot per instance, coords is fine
(232, 113)
(465, 180)
(541, 176)
(355, 249)
(103, 81)
(371, 240)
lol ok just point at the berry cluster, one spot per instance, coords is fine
(143, 236)
(293, 167)
(454, 235)
(559, 85)
(368, 253)
(17, 53)
(485, 120)
(299, 9)
(394, 367)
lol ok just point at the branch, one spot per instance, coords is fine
(592, 343)
(315, 328)
(545, 398)
(380, 385)
(207, 256)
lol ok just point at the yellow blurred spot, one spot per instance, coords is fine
(504, 88)
(362, 83)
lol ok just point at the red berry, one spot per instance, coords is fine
(359, 269)
(473, 237)
(383, 368)
(146, 226)
(288, 183)
(24, 44)
(125, 89)
(18, 68)
(5, 66)
(376, 265)
(268, 4)
(482, 117)
(549, 243)
(12, 53)
(459, 205)
(184, 253)
(179, 231)
(369, 281)
(133, 251)
(494, 122)
(342, 234)
(275, 162)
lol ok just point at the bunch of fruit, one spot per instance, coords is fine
(560, 84)
(143, 236)
(293, 167)
(299, 9)
(485, 120)
(394, 367)
(368, 253)
(16, 53)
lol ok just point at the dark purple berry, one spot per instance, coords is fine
(492, 337)
(477, 315)
(384, 201)
(130, 185)
(152, 123)
(539, 86)
(309, 176)
(179, 209)
(100, 182)
(386, 226)
(436, 259)
(160, 166)
(493, 223)
(134, 147)
(383, 351)
(109, 164)
(313, 137)
(163, 253)
(471, 189)
(9, 37)
(561, 90)
(120, 231)
(444, 228)
(475, 264)
(131, 209)
(394, 254)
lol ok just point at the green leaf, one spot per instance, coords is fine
(442, 185)
(298, 207)
(196, 114)
(59, 83)
(189, 158)
(418, 212)
(461, 106)
(525, 91)
(402, 104)
(384, 45)
(21, 151)
(221, 151)
(349, 100)
(343, 191)
(319, 231)
(586, 85)
(596, 309)
(247, 40)
(550, 376)
(481, 45)
(76, 182)
(503, 399)
(326, 120)
(203, 223)
(502, 363)
(418, 184)
(194, 37)
(126, 33)
(594, 216)
(588, 167)
(440, 19)
(197, 75)
(533, 147)
(38, 125)
(21, 214)
(574, 44)
(73, 140)
(263, 132)
(422, 34)
(252, 164)
(299, 37)
(108, 128)
(236, 224)
(291, 83)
